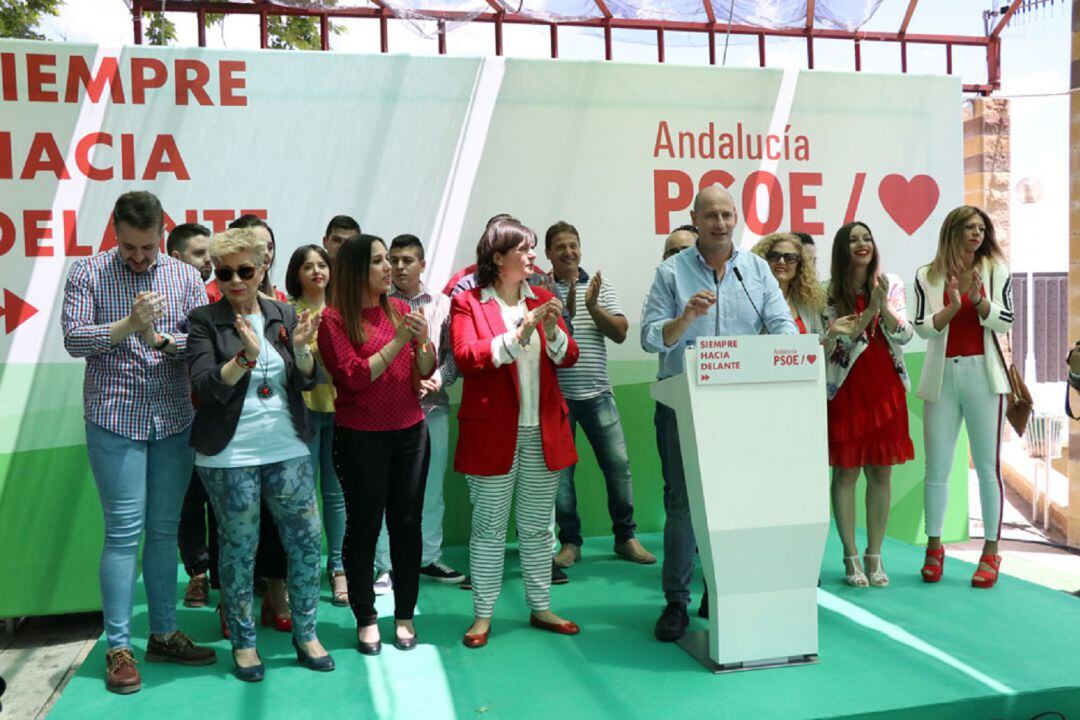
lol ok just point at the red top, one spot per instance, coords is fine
(488, 416)
(801, 324)
(449, 288)
(868, 417)
(965, 331)
(389, 402)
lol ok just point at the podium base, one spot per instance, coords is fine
(696, 644)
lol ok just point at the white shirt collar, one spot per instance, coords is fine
(488, 293)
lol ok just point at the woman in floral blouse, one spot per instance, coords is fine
(867, 382)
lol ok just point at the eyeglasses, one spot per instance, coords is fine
(789, 258)
(246, 272)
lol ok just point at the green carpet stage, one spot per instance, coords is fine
(909, 651)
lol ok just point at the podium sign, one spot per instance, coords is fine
(755, 456)
(756, 358)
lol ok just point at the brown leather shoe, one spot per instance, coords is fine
(633, 551)
(178, 648)
(121, 675)
(569, 554)
(197, 594)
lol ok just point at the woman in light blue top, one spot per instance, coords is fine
(249, 363)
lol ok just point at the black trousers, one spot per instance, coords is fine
(382, 472)
(197, 533)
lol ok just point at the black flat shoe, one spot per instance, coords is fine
(405, 643)
(252, 674)
(320, 664)
(369, 648)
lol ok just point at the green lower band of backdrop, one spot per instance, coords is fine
(51, 523)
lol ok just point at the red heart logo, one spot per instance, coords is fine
(811, 358)
(908, 202)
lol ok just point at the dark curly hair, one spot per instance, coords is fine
(500, 237)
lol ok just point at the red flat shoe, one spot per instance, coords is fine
(224, 626)
(932, 573)
(563, 628)
(478, 640)
(282, 622)
(986, 578)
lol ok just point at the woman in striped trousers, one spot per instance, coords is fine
(513, 434)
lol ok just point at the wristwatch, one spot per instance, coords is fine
(163, 341)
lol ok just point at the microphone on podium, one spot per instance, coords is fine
(738, 276)
(716, 284)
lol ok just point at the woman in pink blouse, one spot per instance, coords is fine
(376, 350)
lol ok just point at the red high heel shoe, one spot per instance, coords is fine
(282, 622)
(221, 618)
(986, 578)
(932, 573)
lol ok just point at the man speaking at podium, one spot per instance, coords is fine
(709, 289)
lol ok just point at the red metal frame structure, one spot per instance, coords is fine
(606, 22)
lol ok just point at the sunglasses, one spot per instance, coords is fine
(789, 258)
(245, 272)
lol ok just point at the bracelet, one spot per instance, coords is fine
(424, 347)
(382, 357)
(242, 360)
(302, 355)
(163, 341)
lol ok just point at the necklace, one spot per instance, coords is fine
(264, 391)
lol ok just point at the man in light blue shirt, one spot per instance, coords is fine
(709, 289)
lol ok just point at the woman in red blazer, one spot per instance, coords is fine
(513, 434)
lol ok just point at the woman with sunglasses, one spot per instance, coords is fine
(377, 350)
(866, 382)
(963, 297)
(306, 279)
(270, 567)
(249, 362)
(513, 432)
(797, 278)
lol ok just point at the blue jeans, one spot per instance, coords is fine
(431, 522)
(333, 501)
(599, 418)
(141, 484)
(679, 544)
(288, 489)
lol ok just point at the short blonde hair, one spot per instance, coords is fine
(238, 240)
(804, 289)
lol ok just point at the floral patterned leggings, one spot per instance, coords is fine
(289, 490)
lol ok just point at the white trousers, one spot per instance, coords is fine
(965, 395)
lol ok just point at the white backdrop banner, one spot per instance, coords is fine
(434, 146)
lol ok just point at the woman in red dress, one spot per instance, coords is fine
(866, 382)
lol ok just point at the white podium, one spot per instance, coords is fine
(752, 426)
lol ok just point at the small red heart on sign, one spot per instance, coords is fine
(811, 358)
(908, 202)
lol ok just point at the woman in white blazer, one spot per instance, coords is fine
(962, 297)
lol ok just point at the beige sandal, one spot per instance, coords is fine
(339, 589)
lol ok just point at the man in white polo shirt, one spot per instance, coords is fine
(597, 316)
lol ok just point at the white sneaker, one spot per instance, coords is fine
(384, 583)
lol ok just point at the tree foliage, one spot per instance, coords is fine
(284, 32)
(20, 18)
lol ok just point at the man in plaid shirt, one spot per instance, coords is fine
(125, 311)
